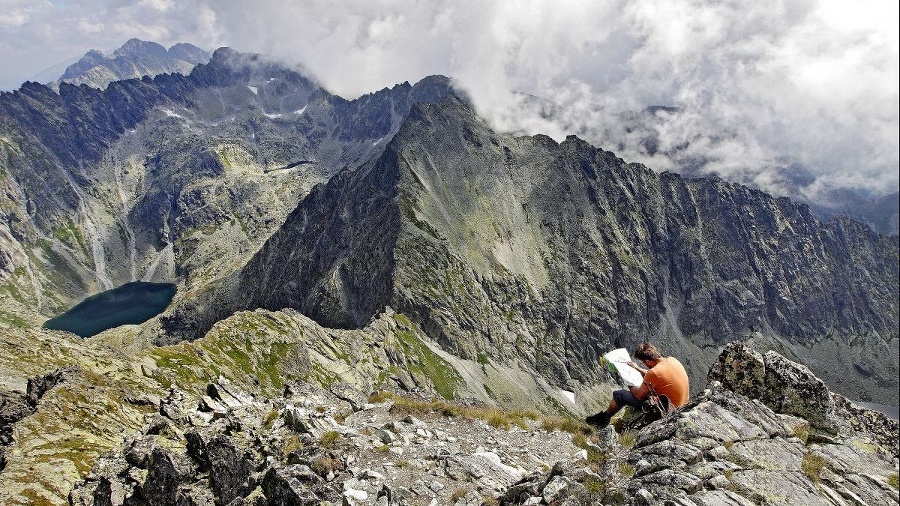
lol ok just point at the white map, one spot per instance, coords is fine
(619, 358)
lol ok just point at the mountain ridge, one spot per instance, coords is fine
(143, 154)
(496, 261)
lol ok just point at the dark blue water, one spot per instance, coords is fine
(131, 303)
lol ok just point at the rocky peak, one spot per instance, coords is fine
(139, 48)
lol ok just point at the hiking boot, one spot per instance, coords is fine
(599, 420)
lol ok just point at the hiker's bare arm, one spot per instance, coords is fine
(638, 368)
(640, 392)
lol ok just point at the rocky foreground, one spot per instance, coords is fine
(766, 432)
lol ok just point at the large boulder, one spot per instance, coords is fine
(784, 386)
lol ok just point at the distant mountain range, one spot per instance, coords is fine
(135, 59)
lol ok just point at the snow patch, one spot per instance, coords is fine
(568, 395)
(301, 111)
(273, 115)
(254, 89)
(172, 114)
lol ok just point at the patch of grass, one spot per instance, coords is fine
(270, 418)
(291, 444)
(379, 396)
(178, 365)
(802, 433)
(403, 320)
(579, 440)
(894, 481)
(565, 424)
(626, 470)
(459, 494)
(812, 465)
(382, 449)
(443, 376)
(68, 233)
(489, 500)
(13, 320)
(322, 376)
(596, 488)
(330, 438)
(596, 458)
(494, 416)
(626, 439)
(498, 420)
(866, 447)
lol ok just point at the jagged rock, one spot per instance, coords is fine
(135, 59)
(291, 485)
(167, 471)
(140, 451)
(880, 427)
(13, 407)
(230, 468)
(741, 369)
(784, 386)
(39, 385)
(793, 389)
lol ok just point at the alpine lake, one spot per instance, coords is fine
(131, 303)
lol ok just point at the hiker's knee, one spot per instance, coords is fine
(626, 398)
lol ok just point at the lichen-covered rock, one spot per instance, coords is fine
(793, 389)
(786, 387)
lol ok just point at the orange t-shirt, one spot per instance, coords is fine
(669, 378)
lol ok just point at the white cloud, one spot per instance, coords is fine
(760, 85)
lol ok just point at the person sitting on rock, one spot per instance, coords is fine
(665, 375)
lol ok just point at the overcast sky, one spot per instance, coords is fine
(760, 86)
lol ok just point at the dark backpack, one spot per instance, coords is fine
(655, 407)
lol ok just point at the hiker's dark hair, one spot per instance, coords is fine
(647, 351)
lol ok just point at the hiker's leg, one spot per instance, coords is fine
(622, 398)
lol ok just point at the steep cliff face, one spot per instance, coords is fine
(522, 248)
(519, 249)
